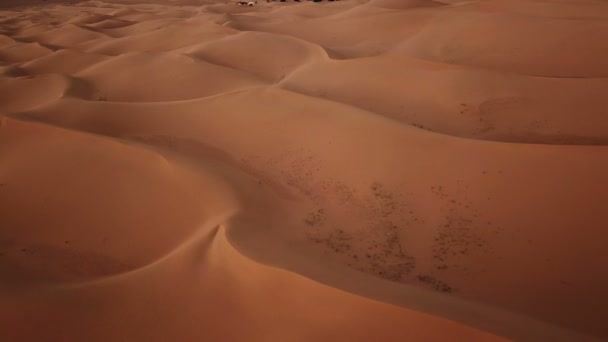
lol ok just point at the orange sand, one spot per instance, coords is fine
(383, 170)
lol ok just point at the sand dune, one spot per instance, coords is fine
(554, 47)
(22, 52)
(467, 102)
(347, 171)
(67, 35)
(24, 92)
(63, 61)
(163, 77)
(294, 53)
(407, 4)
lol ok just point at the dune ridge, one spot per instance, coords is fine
(355, 170)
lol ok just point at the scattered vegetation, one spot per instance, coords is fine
(387, 204)
(436, 284)
(314, 218)
(421, 126)
(464, 108)
(462, 234)
(378, 245)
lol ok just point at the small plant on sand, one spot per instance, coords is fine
(314, 218)
(436, 284)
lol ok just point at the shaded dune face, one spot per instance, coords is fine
(341, 171)
(77, 206)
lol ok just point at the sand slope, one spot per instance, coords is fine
(357, 170)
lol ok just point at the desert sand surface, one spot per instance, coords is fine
(361, 170)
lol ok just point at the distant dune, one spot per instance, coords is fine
(382, 170)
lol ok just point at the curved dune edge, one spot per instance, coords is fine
(206, 253)
(84, 221)
(493, 320)
(401, 149)
(519, 159)
(474, 315)
(247, 298)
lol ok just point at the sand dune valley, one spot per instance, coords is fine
(356, 170)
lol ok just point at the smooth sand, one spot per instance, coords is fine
(384, 170)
